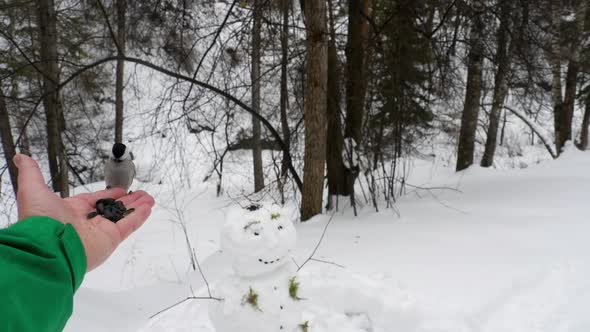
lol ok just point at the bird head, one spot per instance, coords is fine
(120, 153)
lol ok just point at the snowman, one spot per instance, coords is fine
(262, 293)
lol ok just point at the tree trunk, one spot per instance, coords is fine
(255, 77)
(472, 91)
(285, 6)
(121, 41)
(356, 85)
(503, 131)
(5, 128)
(556, 73)
(337, 173)
(355, 55)
(503, 55)
(20, 117)
(316, 81)
(7, 142)
(569, 101)
(571, 78)
(53, 112)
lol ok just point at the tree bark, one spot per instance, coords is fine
(121, 41)
(556, 73)
(49, 66)
(316, 82)
(569, 101)
(355, 55)
(5, 128)
(8, 142)
(503, 55)
(337, 173)
(503, 131)
(24, 144)
(473, 90)
(356, 86)
(285, 6)
(255, 77)
(571, 78)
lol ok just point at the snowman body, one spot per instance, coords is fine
(257, 297)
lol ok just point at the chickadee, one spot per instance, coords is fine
(119, 169)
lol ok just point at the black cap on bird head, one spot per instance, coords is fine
(119, 150)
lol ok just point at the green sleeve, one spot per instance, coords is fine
(42, 264)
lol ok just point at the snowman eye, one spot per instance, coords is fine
(256, 233)
(280, 227)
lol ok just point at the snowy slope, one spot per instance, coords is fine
(507, 252)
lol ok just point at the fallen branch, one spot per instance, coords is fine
(318, 244)
(328, 262)
(538, 130)
(181, 302)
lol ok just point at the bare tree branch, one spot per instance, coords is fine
(170, 73)
(111, 31)
(534, 127)
(209, 49)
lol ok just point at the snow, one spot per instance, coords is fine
(484, 250)
(257, 241)
(257, 296)
(505, 251)
(273, 309)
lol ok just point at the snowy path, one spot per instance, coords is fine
(508, 253)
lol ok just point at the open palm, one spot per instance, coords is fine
(99, 235)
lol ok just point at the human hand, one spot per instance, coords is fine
(100, 236)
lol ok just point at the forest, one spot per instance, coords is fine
(316, 165)
(385, 78)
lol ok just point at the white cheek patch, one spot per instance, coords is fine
(127, 155)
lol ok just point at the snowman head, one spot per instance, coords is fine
(258, 240)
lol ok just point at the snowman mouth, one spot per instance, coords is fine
(269, 262)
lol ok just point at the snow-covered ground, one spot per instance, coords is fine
(485, 250)
(495, 250)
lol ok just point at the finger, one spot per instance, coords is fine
(143, 200)
(137, 198)
(29, 174)
(91, 198)
(133, 221)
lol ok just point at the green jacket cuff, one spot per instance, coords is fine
(69, 242)
(75, 254)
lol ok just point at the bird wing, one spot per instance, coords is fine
(133, 172)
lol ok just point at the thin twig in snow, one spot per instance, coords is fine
(327, 262)
(445, 204)
(180, 302)
(202, 274)
(295, 262)
(319, 242)
(428, 188)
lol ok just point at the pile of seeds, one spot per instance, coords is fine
(111, 209)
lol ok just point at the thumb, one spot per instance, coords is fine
(29, 174)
